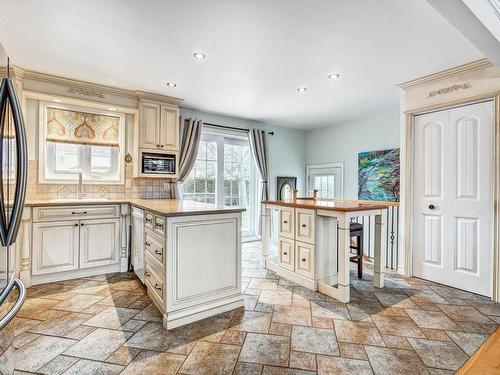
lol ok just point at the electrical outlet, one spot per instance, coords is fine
(128, 184)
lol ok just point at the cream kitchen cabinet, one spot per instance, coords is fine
(159, 126)
(55, 246)
(99, 242)
(74, 241)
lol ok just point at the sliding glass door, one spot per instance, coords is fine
(225, 173)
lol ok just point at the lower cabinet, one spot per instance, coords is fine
(286, 249)
(99, 242)
(304, 259)
(55, 247)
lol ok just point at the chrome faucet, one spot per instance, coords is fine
(80, 194)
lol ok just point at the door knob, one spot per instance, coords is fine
(431, 207)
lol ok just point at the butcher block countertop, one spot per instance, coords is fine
(165, 207)
(339, 205)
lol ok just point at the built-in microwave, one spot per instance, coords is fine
(158, 164)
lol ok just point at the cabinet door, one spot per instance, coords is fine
(169, 128)
(304, 259)
(149, 129)
(286, 253)
(99, 242)
(55, 247)
(304, 220)
(138, 241)
(286, 222)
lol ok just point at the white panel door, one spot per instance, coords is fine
(452, 201)
(99, 242)
(169, 128)
(55, 247)
(149, 132)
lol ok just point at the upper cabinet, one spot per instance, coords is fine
(159, 126)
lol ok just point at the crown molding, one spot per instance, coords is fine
(92, 88)
(473, 65)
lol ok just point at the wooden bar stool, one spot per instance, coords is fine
(356, 230)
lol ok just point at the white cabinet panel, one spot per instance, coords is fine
(286, 249)
(304, 259)
(286, 222)
(149, 132)
(99, 242)
(55, 247)
(138, 241)
(305, 225)
(169, 128)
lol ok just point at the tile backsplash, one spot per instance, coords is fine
(148, 188)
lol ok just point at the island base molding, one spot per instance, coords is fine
(182, 317)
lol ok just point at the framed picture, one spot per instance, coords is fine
(378, 175)
(285, 187)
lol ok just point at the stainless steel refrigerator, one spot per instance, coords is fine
(13, 179)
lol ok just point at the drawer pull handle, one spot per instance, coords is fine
(148, 220)
(159, 225)
(285, 253)
(157, 252)
(78, 213)
(147, 243)
(157, 287)
(82, 224)
(303, 225)
(303, 259)
(285, 222)
(76, 225)
(147, 274)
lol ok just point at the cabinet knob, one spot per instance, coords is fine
(285, 222)
(76, 225)
(162, 146)
(285, 253)
(157, 146)
(157, 252)
(303, 259)
(303, 225)
(431, 207)
(82, 224)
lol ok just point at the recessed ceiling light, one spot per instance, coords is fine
(199, 56)
(302, 89)
(333, 76)
(171, 84)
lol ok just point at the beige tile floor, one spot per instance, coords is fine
(107, 325)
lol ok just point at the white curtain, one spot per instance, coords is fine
(191, 136)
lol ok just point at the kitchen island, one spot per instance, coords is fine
(313, 247)
(188, 254)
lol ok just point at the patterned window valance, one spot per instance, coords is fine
(68, 126)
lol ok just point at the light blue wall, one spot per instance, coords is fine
(342, 143)
(287, 147)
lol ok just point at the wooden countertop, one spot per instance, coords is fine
(165, 207)
(339, 205)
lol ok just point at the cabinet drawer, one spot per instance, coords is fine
(304, 259)
(75, 212)
(159, 225)
(286, 222)
(153, 282)
(148, 220)
(285, 253)
(305, 223)
(154, 247)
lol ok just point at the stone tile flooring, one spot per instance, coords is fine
(107, 325)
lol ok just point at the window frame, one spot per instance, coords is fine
(310, 169)
(223, 137)
(72, 178)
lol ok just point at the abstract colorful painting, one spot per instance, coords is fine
(378, 175)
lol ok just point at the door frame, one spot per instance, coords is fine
(326, 165)
(407, 177)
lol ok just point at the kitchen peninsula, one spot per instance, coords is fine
(314, 241)
(188, 254)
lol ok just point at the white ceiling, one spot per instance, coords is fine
(258, 51)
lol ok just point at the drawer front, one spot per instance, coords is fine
(286, 222)
(159, 225)
(153, 282)
(154, 247)
(148, 220)
(304, 259)
(59, 213)
(305, 223)
(286, 253)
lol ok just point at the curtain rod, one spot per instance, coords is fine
(231, 127)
